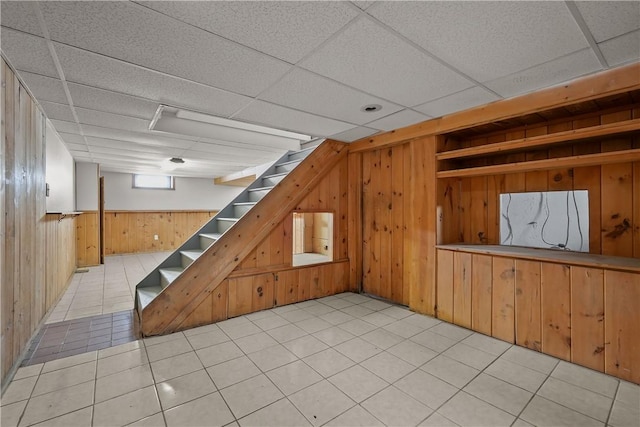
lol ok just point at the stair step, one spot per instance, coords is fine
(207, 239)
(301, 154)
(189, 256)
(168, 275)
(253, 190)
(244, 203)
(146, 295)
(256, 194)
(239, 209)
(274, 179)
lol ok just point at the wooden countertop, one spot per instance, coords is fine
(551, 255)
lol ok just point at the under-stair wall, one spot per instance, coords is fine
(250, 268)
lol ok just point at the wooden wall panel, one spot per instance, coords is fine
(481, 292)
(503, 299)
(622, 325)
(587, 317)
(37, 251)
(462, 271)
(444, 291)
(528, 329)
(133, 231)
(354, 221)
(555, 283)
(87, 239)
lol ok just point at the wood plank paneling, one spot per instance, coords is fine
(555, 282)
(355, 219)
(445, 285)
(462, 272)
(528, 328)
(503, 299)
(622, 325)
(481, 292)
(37, 250)
(87, 239)
(134, 231)
(587, 317)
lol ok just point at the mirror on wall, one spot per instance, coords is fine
(546, 219)
(312, 238)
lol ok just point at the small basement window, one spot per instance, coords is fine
(312, 238)
(154, 182)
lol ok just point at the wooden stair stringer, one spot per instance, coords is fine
(174, 304)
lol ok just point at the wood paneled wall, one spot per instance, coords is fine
(133, 231)
(37, 250)
(585, 315)
(88, 239)
(471, 206)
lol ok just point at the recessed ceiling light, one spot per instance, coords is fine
(177, 160)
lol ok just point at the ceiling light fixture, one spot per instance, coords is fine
(176, 160)
(192, 123)
(370, 108)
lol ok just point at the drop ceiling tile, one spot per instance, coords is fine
(622, 49)
(286, 30)
(156, 139)
(81, 66)
(55, 111)
(609, 19)
(263, 113)
(362, 4)
(128, 154)
(368, 57)
(136, 34)
(44, 88)
(486, 40)
(81, 155)
(108, 120)
(72, 138)
(354, 134)
(76, 147)
(67, 127)
(111, 102)
(129, 146)
(314, 94)
(239, 150)
(548, 74)
(398, 120)
(27, 53)
(468, 98)
(20, 15)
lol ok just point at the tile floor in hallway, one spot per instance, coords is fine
(108, 288)
(343, 360)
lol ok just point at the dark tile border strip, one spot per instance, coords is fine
(71, 337)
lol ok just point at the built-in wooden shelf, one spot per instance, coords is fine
(621, 156)
(610, 129)
(551, 255)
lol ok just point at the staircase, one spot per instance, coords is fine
(171, 268)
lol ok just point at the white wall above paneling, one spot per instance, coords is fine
(87, 186)
(307, 67)
(59, 174)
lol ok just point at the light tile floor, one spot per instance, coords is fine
(108, 288)
(344, 360)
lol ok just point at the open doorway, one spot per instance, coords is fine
(312, 238)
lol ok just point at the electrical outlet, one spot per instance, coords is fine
(155, 237)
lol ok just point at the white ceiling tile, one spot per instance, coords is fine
(468, 98)
(608, 19)
(72, 138)
(222, 159)
(20, 15)
(486, 40)
(81, 155)
(354, 134)
(311, 93)
(398, 120)
(114, 121)
(367, 57)
(362, 4)
(127, 146)
(263, 113)
(622, 49)
(111, 102)
(44, 88)
(128, 154)
(76, 147)
(141, 36)
(285, 29)
(64, 126)
(235, 150)
(55, 111)
(91, 69)
(548, 74)
(27, 53)
(154, 139)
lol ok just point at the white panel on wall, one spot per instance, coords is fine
(60, 174)
(87, 186)
(550, 219)
(189, 194)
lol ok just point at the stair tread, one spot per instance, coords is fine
(214, 236)
(193, 253)
(275, 175)
(244, 203)
(261, 188)
(289, 162)
(228, 219)
(171, 273)
(146, 295)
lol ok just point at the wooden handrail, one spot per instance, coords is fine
(537, 141)
(174, 304)
(546, 164)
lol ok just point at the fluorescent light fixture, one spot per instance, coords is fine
(185, 122)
